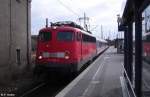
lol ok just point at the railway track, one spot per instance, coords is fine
(52, 84)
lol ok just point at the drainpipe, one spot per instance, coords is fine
(28, 35)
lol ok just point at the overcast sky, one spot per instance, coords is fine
(100, 12)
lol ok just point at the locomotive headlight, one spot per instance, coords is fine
(40, 57)
(66, 57)
(67, 54)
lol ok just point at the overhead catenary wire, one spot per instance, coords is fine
(68, 8)
(73, 12)
(71, 1)
(95, 27)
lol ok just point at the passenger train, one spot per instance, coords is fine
(146, 46)
(66, 47)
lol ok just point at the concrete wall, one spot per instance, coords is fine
(34, 42)
(15, 37)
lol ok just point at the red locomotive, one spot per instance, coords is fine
(65, 47)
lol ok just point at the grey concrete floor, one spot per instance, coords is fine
(100, 79)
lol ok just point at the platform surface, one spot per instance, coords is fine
(100, 79)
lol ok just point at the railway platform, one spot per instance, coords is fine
(100, 79)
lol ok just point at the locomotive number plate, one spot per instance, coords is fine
(60, 55)
(53, 55)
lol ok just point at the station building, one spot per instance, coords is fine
(15, 30)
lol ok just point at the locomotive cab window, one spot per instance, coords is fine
(45, 36)
(65, 36)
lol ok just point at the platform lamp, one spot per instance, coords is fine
(118, 20)
(117, 38)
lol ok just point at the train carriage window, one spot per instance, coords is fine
(148, 38)
(45, 36)
(144, 38)
(84, 38)
(87, 38)
(93, 39)
(65, 36)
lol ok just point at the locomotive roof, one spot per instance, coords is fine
(68, 23)
(66, 28)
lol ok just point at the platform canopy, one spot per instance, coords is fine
(128, 14)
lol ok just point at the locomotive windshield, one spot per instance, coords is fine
(65, 36)
(45, 36)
